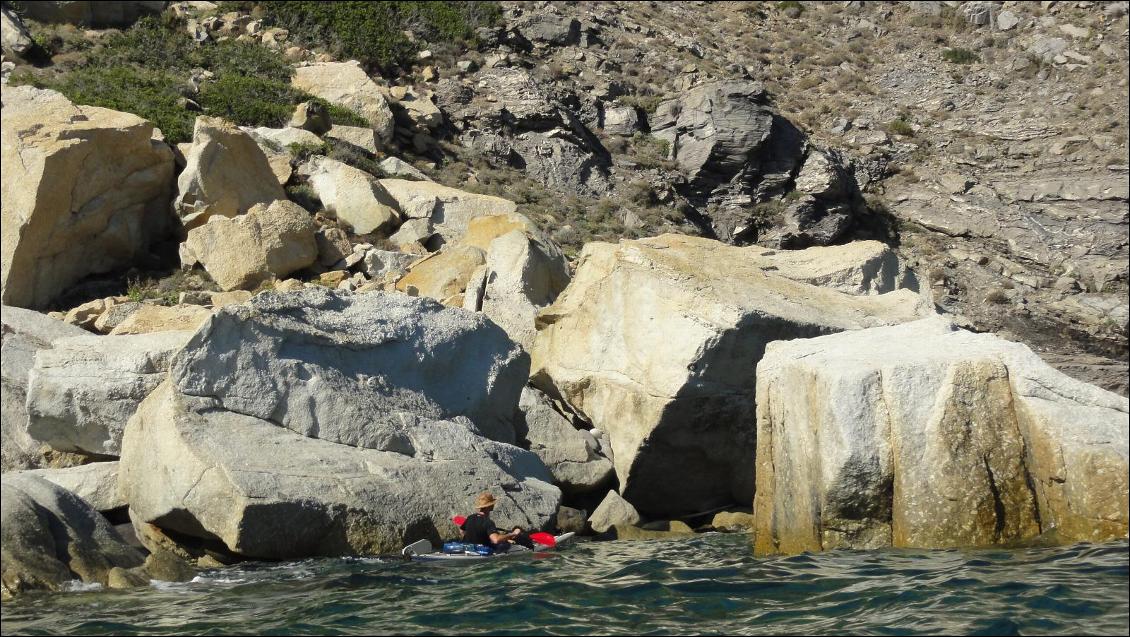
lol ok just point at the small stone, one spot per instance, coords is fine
(1007, 20)
(333, 278)
(194, 297)
(221, 299)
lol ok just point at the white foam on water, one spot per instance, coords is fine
(164, 586)
(201, 579)
(79, 586)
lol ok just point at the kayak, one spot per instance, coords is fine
(423, 551)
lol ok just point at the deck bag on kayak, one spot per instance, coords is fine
(464, 548)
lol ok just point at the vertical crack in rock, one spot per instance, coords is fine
(998, 504)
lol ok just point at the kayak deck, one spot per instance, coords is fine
(423, 551)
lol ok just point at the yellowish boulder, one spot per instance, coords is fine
(923, 435)
(84, 190)
(268, 242)
(655, 342)
(443, 275)
(225, 175)
(346, 84)
(159, 318)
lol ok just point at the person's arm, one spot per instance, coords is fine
(498, 538)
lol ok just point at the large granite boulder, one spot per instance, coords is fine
(82, 391)
(270, 493)
(346, 84)
(225, 175)
(923, 435)
(97, 483)
(84, 190)
(448, 210)
(571, 454)
(524, 272)
(736, 151)
(347, 368)
(276, 144)
(354, 196)
(266, 243)
(655, 342)
(14, 36)
(22, 334)
(443, 275)
(51, 537)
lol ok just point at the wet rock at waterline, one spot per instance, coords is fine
(51, 536)
(613, 511)
(922, 435)
(185, 468)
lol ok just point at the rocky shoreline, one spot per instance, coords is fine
(345, 375)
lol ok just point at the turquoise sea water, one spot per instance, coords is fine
(709, 584)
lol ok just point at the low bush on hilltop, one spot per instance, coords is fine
(148, 70)
(373, 32)
(960, 56)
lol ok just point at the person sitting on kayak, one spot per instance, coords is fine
(479, 529)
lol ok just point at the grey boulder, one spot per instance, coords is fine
(82, 391)
(51, 537)
(345, 367)
(572, 455)
(191, 467)
(23, 333)
(97, 483)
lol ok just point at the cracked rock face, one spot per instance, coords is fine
(922, 435)
(655, 341)
(82, 391)
(344, 368)
(371, 420)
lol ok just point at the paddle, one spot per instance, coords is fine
(545, 539)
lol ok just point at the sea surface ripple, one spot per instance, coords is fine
(711, 584)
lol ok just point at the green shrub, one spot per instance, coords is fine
(250, 101)
(792, 8)
(651, 152)
(647, 103)
(900, 126)
(960, 56)
(301, 152)
(152, 94)
(342, 116)
(356, 157)
(145, 70)
(304, 195)
(642, 194)
(373, 32)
